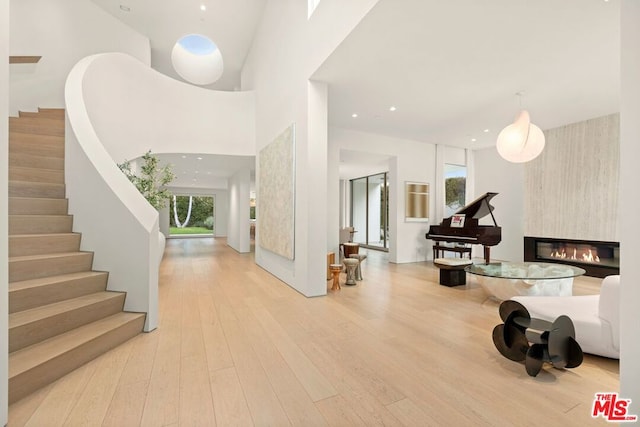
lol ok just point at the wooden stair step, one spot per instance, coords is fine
(31, 326)
(36, 266)
(40, 364)
(25, 174)
(36, 189)
(41, 145)
(32, 293)
(37, 244)
(28, 114)
(40, 224)
(37, 125)
(37, 206)
(50, 113)
(35, 161)
(53, 113)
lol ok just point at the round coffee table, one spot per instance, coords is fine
(503, 280)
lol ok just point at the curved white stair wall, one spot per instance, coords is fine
(134, 108)
(117, 109)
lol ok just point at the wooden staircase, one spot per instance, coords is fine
(60, 314)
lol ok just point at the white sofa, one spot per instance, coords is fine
(596, 317)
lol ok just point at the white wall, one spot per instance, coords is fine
(494, 174)
(121, 95)
(62, 32)
(410, 161)
(220, 207)
(278, 67)
(4, 248)
(238, 201)
(630, 202)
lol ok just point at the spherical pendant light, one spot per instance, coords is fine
(521, 141)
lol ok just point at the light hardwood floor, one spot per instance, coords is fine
(236, 346)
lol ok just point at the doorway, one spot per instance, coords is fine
(191, 215)
(370, 211)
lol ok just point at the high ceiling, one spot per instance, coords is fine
(451, 68)
(230, 24)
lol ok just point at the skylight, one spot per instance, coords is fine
(197, 59)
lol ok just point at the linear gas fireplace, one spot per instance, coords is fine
(598, 258)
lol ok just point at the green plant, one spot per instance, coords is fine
(152, 179)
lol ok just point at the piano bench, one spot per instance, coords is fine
(452, 270)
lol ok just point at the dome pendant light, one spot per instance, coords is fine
(521, 141)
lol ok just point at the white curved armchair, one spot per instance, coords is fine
(596, 317)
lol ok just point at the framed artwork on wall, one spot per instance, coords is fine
(416, 201)
(276, 195)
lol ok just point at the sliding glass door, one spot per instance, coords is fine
(370, 210)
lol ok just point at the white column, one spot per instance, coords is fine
(316, 163)
(238, 230)
(629, 203)
(4, 251)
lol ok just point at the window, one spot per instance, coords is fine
(311, 6)
(455, 181)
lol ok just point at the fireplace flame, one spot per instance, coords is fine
(586, 256)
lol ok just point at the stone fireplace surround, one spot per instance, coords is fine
(571, 192)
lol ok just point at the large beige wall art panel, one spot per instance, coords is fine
(276, 192)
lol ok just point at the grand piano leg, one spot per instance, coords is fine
(487, 254)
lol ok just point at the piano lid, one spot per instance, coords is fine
(479, 208)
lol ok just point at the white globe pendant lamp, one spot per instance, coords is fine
(521, 141)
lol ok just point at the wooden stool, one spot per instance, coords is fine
(360, 258)
(335, 271)
(350, 265)
(452, 270)
(331, 259)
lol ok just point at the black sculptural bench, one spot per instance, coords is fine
(535, 341)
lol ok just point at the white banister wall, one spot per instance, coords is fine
(134, 108)
(116, 221)
(118, 108)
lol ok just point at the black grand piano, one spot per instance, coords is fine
(469, 231)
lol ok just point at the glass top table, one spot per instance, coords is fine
(526, 270)
(503, 280)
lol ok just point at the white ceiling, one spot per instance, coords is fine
(451, 68)
(230, 24)
(204, 170)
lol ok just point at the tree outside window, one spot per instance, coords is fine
(455, 181)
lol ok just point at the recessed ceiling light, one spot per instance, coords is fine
(203, 7)
(473, 140)
(354, 115)
(392, 108)
(486, 130)
(199, 158)
(184, 157)
(125, 8)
